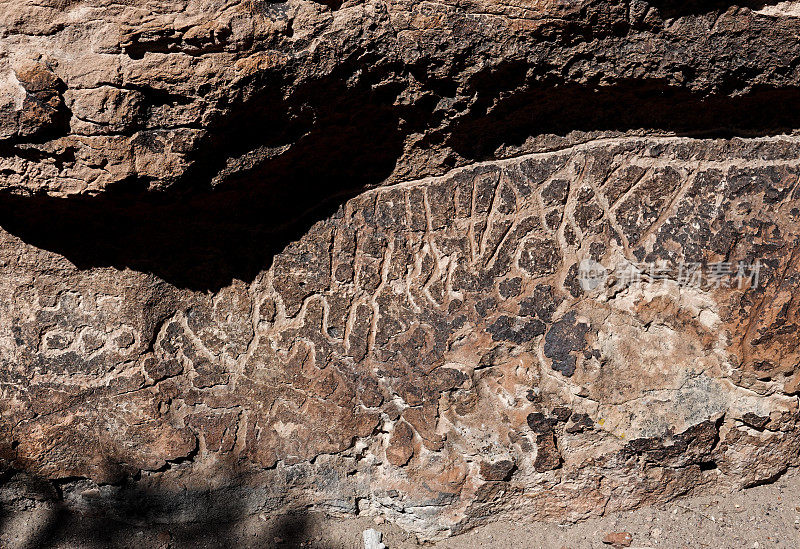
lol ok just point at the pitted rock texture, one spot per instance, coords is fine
(260, 256)
(425, 353)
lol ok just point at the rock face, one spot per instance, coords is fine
(441, 262)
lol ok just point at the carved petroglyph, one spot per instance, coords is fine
(431, 330)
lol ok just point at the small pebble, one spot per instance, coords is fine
(618, 539)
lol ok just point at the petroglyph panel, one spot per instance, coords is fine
(430, 353)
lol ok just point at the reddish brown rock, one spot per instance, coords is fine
(401, 446)
(498, 471)
(618, 539)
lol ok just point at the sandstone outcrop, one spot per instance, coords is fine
(266, 256)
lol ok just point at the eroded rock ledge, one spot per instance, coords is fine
(99, 95)
(265, 256)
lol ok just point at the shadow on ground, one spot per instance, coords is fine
(135, 517)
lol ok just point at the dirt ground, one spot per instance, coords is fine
(761, 517)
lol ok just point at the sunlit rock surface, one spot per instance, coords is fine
(258, 257)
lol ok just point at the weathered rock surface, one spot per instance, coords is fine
(260, 256)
